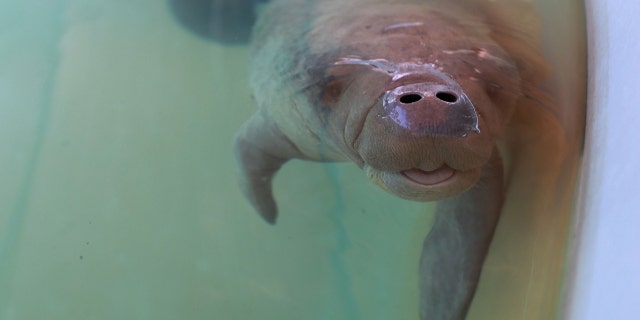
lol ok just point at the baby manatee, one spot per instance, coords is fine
(418, 94)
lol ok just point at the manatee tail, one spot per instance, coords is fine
(260, 150)
(454, 250)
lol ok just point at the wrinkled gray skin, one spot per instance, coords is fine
(410, 91)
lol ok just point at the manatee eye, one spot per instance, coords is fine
(333, 90)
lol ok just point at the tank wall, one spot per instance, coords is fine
(604, 273)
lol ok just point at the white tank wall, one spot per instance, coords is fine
(606, 273)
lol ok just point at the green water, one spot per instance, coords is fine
(118, 197)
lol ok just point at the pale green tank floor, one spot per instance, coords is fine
(118, 197)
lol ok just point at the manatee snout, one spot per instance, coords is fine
(428, 108)
(423, 140)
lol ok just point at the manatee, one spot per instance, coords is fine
(418, 94)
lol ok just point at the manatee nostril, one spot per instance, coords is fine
(426, 109)
(447, 96)
(410, 98)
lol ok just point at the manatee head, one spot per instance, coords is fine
(421, 121)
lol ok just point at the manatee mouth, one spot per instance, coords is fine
(424, 185)
(429, 178)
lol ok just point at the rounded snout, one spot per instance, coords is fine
(422, 140)
(431, 109)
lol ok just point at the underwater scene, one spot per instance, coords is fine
(142, 144)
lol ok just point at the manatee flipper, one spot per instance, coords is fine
(453, 252)
(260, 150)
